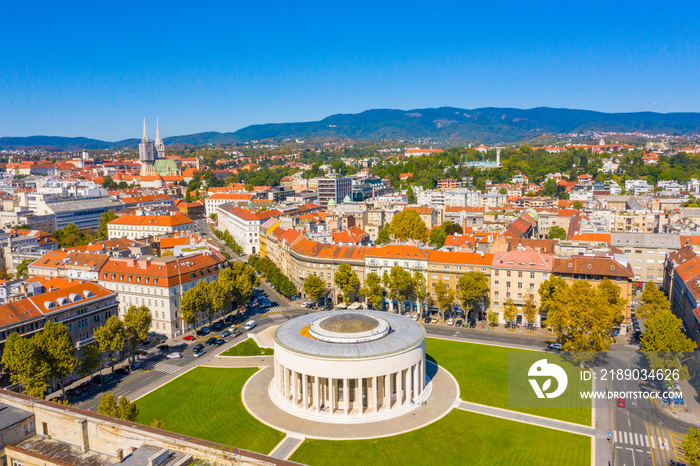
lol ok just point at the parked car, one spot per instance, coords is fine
(434, 320)
(203, 331)
(458, 323)
(219, 342)
(124, 370)
(210, 341)
(472, 323)
(188, 337)
(225, 333)
(555, 346)
(678, 401)
(73, 392)
(174, 356)
(250, 325)
(217, 326)
(198, 347)
(427, 320)
(140, 352)
(450, 322)
(163, 348)
(199, 353)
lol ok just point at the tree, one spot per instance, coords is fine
(22, 358)
(157, 424)
(444, 297)
(127, 410)
(23, 268)
(611, 293)
(123, 409)
(510, 311)
(314, 287)
(653, 300)
(557, 232)
(410, 195)
(194, 302)
(493, 317)
(71, 236)
(582, 318)
(472, 287)
(399, 282)
(548, 292)
(137, 323)
(438, 237)
(408, 225)
(578, 205)
(57, 351)
(220, 297)
(111, 337)
(664, 340)
(346, 279)
(108, 405)
(90, 360)
(372, 290)
(530, 311)
(105, 218)
(383, 236)
(691, 446)
(420, 288)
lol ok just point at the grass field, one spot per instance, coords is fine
(482, 374)
(206, 403)
(247, 347)
(459, 438)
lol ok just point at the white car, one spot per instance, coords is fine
(450, 321)
(198, 353)
(175, 356)
(250, 325)
(415, 317)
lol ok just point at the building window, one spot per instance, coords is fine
(520, 275)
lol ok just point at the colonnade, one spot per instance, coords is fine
(356, 396)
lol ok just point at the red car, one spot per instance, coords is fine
(188, 337)
(620, 402)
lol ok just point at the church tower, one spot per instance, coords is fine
(146, 149)
(160, 147)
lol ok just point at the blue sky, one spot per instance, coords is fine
(96, 69)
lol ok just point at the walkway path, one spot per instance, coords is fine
(286, 447)
(527, 418)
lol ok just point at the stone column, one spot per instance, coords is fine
(333, 387)
(358, 394)
(295, 387)
(285, 390)
(346, 395)
(317, 392)
(387, 391)
(416, 380)
(399, 388)
(409, 384)
(375, 394)
(304, 391)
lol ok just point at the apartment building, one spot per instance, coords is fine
(159, 283)
(79, 305)
(517, 275)
(682, 283)
(141, 225)
(334, 188)
(244, 225)
(215, 200)
(83, 212)
(647, 253)
(634, 221)
(72, 264)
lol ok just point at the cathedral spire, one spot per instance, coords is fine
(157, 131)
(145, 136)
(160, 147)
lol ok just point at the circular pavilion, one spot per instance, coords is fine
(349, 366)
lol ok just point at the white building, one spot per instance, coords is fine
(637, 187)
(215, 200)
(140, 225)
(244, 225)
(159, 283)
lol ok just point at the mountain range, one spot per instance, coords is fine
(442, 126)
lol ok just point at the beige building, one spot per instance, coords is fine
(646, 253)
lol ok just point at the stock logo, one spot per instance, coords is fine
(542, 368)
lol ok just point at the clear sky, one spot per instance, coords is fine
(95, 69)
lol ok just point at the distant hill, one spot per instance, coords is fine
(444, 125)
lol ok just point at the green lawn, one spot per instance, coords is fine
(206, 403)
(459, 438)
(247, 347)
(482, 374)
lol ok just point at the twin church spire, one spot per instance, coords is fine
(150, 151)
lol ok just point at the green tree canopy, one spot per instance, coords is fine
(23, 268)
(557, 232)
(653, 300)
(71, 236)
(314, 287)
(56, 350)
(510, 311)
(111, 337)
(90, 360)
(691, 446)
(472, 287)
(372, 290)
(194, 302)
(383, 236)
(22, 358)
(664, 342)
(444, 297)
(399, 282)
(346, 279)
(408, 225)
(105, 218)
(137, 323)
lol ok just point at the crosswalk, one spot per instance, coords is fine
(635, 346)
(278, 309)
(641, 440)
(162, 367)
